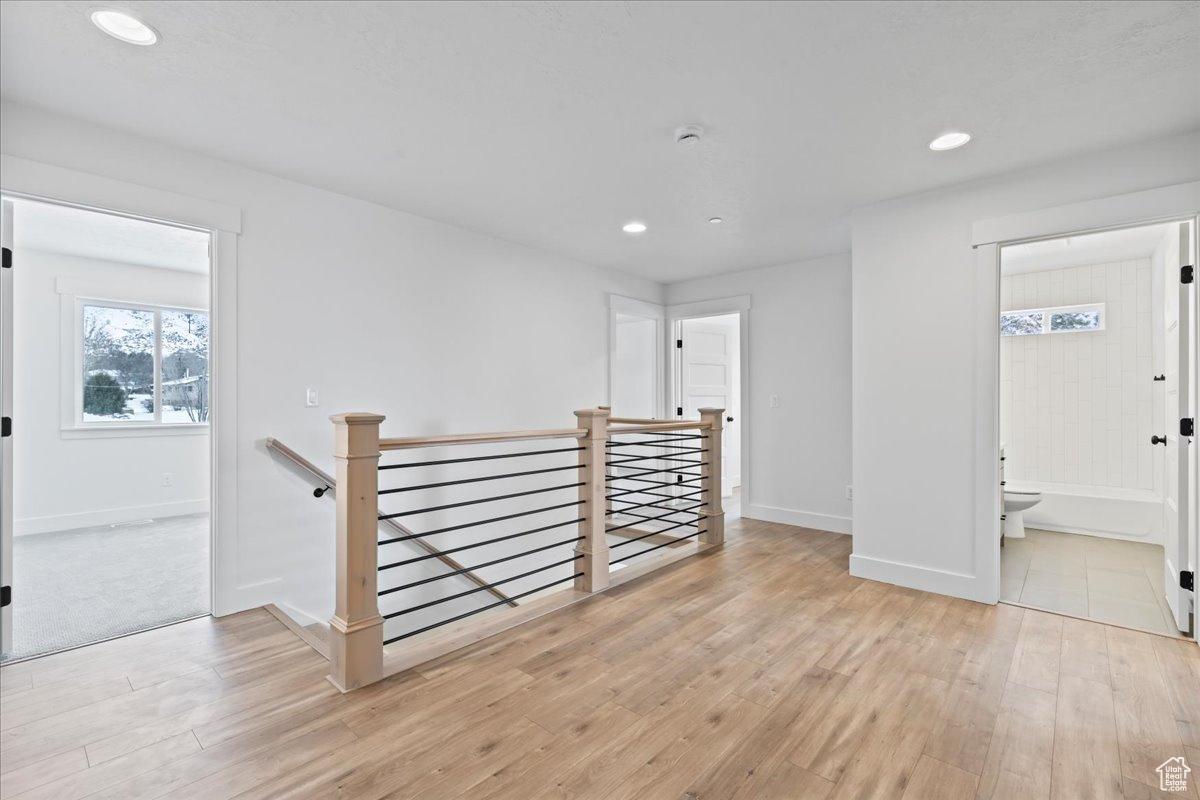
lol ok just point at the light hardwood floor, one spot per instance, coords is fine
(762, 670)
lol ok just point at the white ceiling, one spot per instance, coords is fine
(1104, 247)
(90, 234)
(552, 123)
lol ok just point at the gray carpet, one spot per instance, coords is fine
(82, 586)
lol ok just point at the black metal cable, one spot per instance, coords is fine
(665, 469)
(479, 522)
(677, 511)
(441, 553)
(667, 440)
(653, 483)
(648, 534)
(481, 588)
(656, 547)
(481, 458)
(648, 519)
(655, 503)
(482, 500)
(464, 570)
(477, 480)
(655, 457)
(648, 493)
(478, 610)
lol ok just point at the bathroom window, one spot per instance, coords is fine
(1062, 319)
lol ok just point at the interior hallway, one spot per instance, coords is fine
(761, 670)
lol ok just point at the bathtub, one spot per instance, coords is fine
(1134, 514)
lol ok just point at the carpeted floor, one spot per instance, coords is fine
(82, 586)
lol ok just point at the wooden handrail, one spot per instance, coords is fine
(479, 438)
(641, 420)
(324, 477)
(686, 425)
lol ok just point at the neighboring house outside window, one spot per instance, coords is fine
(145, 365)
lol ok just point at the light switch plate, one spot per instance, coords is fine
(310, 398)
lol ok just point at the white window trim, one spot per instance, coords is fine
(1048, 311)
(73, 425)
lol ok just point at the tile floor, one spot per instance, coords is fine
(1107, 580)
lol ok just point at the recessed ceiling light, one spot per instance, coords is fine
(634, 227)
(949, 141)
(715, 220)
(120, 25)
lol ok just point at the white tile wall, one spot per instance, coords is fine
(1077, 407)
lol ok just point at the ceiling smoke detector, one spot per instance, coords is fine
(688, 134)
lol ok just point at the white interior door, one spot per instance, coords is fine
(1180, 350)
(708, 379)
(6, 476)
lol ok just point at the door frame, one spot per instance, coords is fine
(51, 184)
(739, 305)
(1178, 203)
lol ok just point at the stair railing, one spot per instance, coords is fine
(566, 505)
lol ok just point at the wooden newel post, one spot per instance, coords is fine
(593, 493)
(710, 477)
(356, 629)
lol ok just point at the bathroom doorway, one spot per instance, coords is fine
(1096, 370)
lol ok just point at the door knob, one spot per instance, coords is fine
(729, 419)
(1158, 440)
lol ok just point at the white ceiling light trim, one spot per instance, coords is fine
(123, 26)
(950, 141)
(715, 220)
(634, 227)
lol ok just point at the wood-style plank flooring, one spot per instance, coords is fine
(762, 670)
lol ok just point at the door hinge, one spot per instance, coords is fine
(5, 426)
(7, 258)
(679, 411)
(1186, 274)
(1187, 426)
(5, 596)
(679, 342)
(1187, 580)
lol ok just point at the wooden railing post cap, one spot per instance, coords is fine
(358, 418)
(599, 411)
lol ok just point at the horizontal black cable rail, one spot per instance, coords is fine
(448, 514)
(654, 479)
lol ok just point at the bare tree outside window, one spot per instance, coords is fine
(1022, 323)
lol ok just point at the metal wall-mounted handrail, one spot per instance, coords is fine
(329, 484)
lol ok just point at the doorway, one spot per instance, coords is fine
(106, 378)
(667, 362)
(707, 374)
(1095, 366)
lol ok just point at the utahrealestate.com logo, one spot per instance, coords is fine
(1173, 775)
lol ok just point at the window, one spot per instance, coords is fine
(143, 365)
(1063, 319)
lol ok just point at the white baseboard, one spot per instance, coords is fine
(106, 516)
(954, 584)
(801, 519)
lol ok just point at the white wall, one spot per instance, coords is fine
(1076, 408)
(61, 482)
(441, 329)
(914, 289)
(799, 349)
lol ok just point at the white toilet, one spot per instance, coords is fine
(1017, 500)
